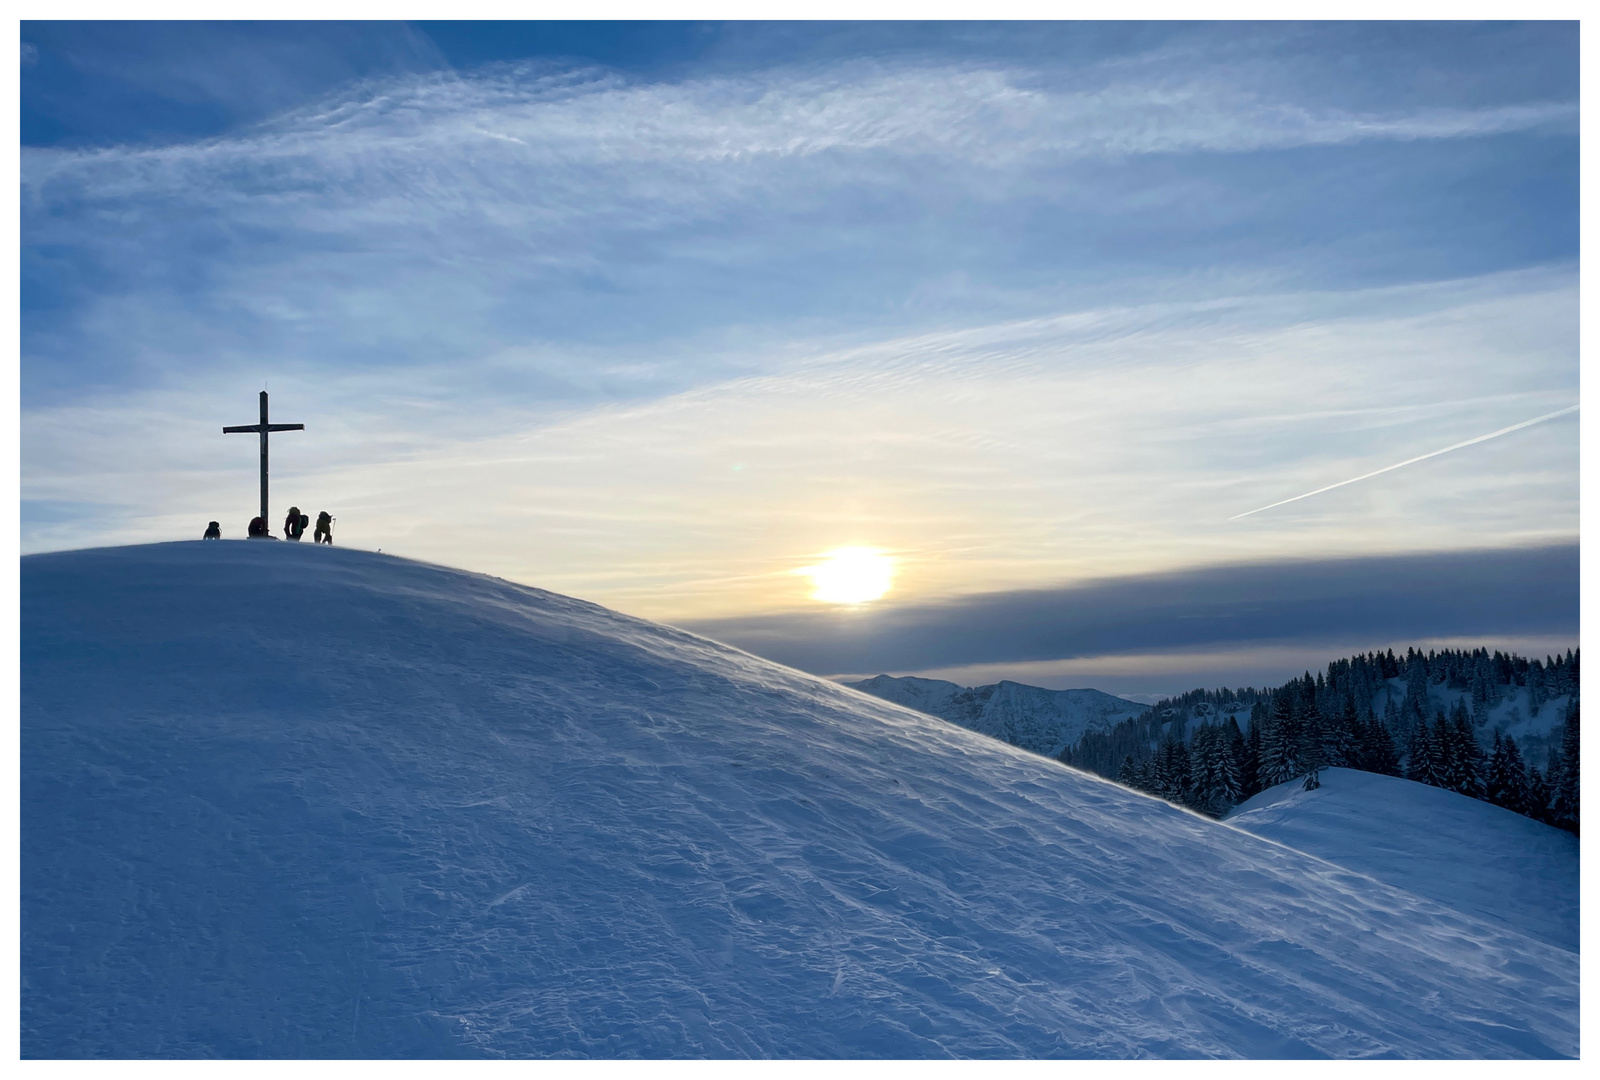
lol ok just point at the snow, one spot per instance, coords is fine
(1480, 859)
(1044, 721)
(288, 801)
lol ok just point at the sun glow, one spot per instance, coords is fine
(851, 575)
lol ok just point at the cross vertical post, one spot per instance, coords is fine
(264, 519)
(263, 427)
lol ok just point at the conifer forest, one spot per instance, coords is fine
(1440, 718)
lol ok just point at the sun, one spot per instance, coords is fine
(850, 575)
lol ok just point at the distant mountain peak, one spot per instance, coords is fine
(1032, 717)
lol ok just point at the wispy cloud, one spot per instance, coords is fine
(983, 116)
(1092, 443)
(459, 216)
(657, 343)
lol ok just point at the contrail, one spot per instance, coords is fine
(1413, 461)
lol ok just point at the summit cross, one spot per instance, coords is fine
(263, 427)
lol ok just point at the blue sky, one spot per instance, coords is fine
(654, 314)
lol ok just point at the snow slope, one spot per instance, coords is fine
(288, 801)
(1044, 721)
(1482, 860)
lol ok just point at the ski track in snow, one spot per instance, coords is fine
(288, 801)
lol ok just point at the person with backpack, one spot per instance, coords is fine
(324, 533)
(258, 529)
(294, 526)
(213, 532)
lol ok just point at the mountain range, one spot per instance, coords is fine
(1044, 721)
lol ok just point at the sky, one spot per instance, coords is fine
(660, 314)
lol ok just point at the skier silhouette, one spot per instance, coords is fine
(213, 532)
(324, 533)
(294, 526)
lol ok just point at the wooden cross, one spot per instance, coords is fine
(263, 428)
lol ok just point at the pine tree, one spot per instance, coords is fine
(1425, 758)
(1280, 744)
(1172, 770)
(1480, 686)
(1250, 760)
(1538, 806)
(1143, 778)
(1126, 776)
(1161, 773)
(1382, 756)
(1417, 754)
(1199, 762)
(1516, 775)
(1216, 776)
(1503, 786)
(1182, 776)
(1417, 688)
(1344, 748)
(1507, 780)
(1564, 801)
(1313, 746)
(1232, 742)
(1464, 757)
(1397, 727)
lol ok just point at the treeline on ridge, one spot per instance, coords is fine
(1192, 750)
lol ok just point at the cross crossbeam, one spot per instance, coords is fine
(263, 428)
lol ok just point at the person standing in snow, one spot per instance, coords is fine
(213, 532)
(258, 529)
(294, 526)
(324, 533)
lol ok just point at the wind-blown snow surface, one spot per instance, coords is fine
(1044, 721)
(281, 800)
(1480, 859)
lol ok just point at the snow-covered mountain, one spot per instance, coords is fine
(289, 801)
(1484, 861)
(1044, 721)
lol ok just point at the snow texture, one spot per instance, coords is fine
(1044, 721)
(1480, 859)
(288, 801)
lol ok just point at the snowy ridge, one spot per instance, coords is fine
(1044, 721)
(1482, 860)
(286, 801)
